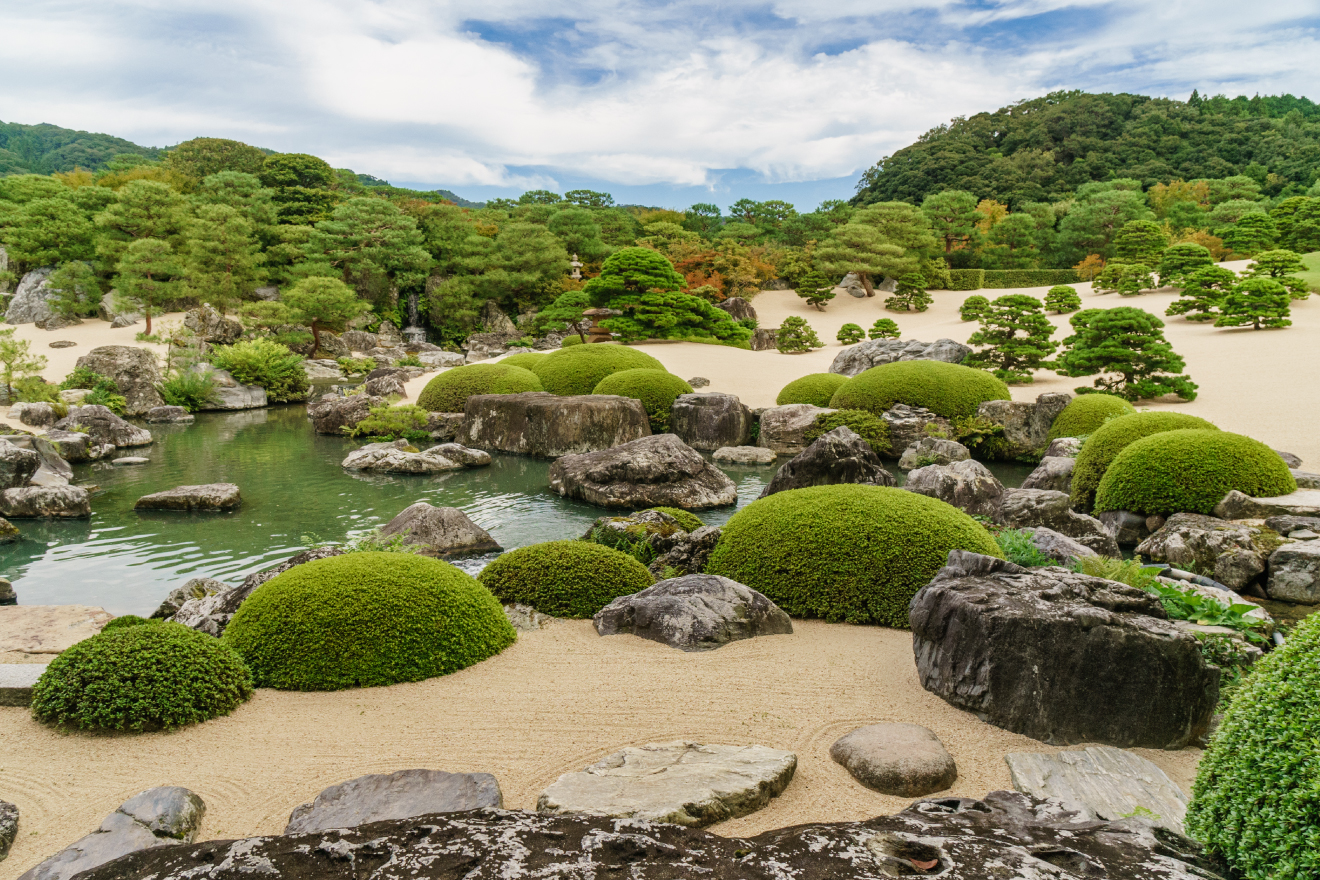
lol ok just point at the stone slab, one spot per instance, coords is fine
(17, 681)
(48, 629)
(382, 796)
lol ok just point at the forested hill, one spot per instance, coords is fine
(45, 149)
(1043, 149)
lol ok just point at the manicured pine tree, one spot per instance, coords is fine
(224, 259)
(973, 307)
(1182, 258)
(1280, 265)
(1255, 302)
(1203, 290)
(17, 360)
(851, 333)
(1140, 242)
(1127, 279)
(910, 295)
(147, 276)
(795, 335)
(1016, 337)
(76, 291)
(885, 328)
(816, 289)
(1062, 299)
(1126, 350)
(323, 304)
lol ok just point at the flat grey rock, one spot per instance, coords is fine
(53, 502)
(17, 681)
(1237, 505)
(439, 531)
(102, 427)
(130, 460)
(783, 428)
(211, 497)
(402, 795)
(1030, 508)
(745, 455)
(1053, 473)
(697, 612)
(904, 760)
(1061, 548)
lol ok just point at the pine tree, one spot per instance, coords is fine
(973, 307)
(1126, 349)
(851, 333)
(17, 360)
(1203, 290)
(885, 328)
(147, 276)
(1140, 242)
(857, 247)
(1280, 265)
(224, 259)
(910, 295)
(323, 304)
(1062, 299)
(796, 335)
(1016, 335)
(1127, 279)
(1258, 302)
(816, 289)
(1181, 259)
(76, 291)
(1251, 234)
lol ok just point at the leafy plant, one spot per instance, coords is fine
(1018, 548)
(413, 360)
(795, 335)
(265, 363)
(885, 328)
(973, 307)
(356, 366)
(868, 426)
(1125, 571)
(193, 390)
(388, 422)
(851, 333)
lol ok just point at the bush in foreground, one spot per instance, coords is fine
(814, 388)
(579, 369)
(1087, 413)
(140, 676)
(366, 619)
(449, 391)
(949, 390)
(844, 552)
(1190, 471)
(1111, 438)
(565, 578)
(265, 363)
(656, 389)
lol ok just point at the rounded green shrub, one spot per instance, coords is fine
(1256, 800)
(686, 518)
(973, 308)
(845, 552)
(126, 621)
(656, 389)
(870, 427)
(1190, 471)
(524, 359)
(366, 619)
(449, 391)
(814, 388)
(949, 390)
(572, 339)
(141, 678)
(578, 370)
(1088, 412)
(565, 578)
(1108, 440)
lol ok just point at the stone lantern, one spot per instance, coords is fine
(576, 274)
(597, 333)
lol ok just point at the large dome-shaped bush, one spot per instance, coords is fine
(565, 578)
(141, 677)
(1088, 412)
(845, 552)
(1256, 800)
(578, 370)
(1190, 471)
(1104, 445)
(949, 390)
(815, 388)
(449, 391)
(366, 619)
(656, 389)
(524, 359)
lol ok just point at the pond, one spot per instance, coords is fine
(295, 494)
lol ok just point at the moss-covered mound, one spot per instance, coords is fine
(845, 552)
(656, 389)
(816, 389)
(578, 370)
(449, 391)
(949, 390)
(1190, 471)
(143, 677)
(1088, 412)
(126, 621)
(524, 359)
(686, 518)
(1108, 440)
(1256, 800)
(565, 578)
(366, 619)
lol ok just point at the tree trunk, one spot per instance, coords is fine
(866, 283)
(146, 313)
(316, 342)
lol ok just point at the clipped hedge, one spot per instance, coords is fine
(565, 578)
(1004, 279)
(1190, 471)
(656, 389)
(366, 619)
(685, 518)
(1108, 440)
(1086, 413)
(141, 677)
(578, 370)
(449, 391)
(524, 359)
(814, 388)
(1256, 801)
(844, 552)
(966, 279)
(949, 390)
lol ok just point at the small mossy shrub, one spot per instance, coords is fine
(814, 388)
(1112, 437)
(524, 359)
(845, 552)
(949, 390)
(656, 389)
(1256, 800)
(1190, 471)
(685, 518)
(1088, 412)
(578, 370)
(868, 426)
(141, 675)
(565, 578)
(449, 391)
(364, 620)
(973, 308)
(127, 620)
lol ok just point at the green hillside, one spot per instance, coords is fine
(45, 149)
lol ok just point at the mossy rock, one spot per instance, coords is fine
(685, 518)
(148, 676)
(949, 390)
(816, 389)
(656, 389)
(845, 552)
(366, 619)
(1190, 471)
(524, 359)
(1108, 440)
(565, 578)
(578, 370)
(870, 427)
(1086, 413)
(449, 391)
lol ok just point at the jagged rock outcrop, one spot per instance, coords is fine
(1026, 425)
(932, 450)
(1029, 508)
(912, 424)
(967, 485)
(838, 456)
(688, 555)
(134, 372)
(658, 471)
(337, 415)
(544, 425)
(874, 352)
(16, 465)
(212, 327)
(1054, 473)
(31, 300)
(102, 428)
(1230, 552)
(710, 420)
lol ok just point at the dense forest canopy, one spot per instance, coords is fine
(45, 149)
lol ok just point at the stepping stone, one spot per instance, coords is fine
(129, 460)
(402, 795)
(63, 343)
(48, 629)
(17, 681)
(904, 760)
(1104, 782)
(685, 783)
(209, 497)
(745, 455)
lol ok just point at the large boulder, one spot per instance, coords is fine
(75, 446)
(1060, 657)
(903, 760)
(438, 531)
(1238, 505)
(657, 471)
(1191, 541)
(231, 394)
(386, 386)
(381, 797)
(738, 308)
(102, 428)
(211, 612)
(912, 424)
(133, 370)
(51, 502)
(696, 612)
(784, 428)
(398, 457)
(864, 355)
(34, 415)
(932, 450)
(547, 426)
(8, 826)
(116, 313)
(212, 327)
(688, 554)
(208, 498)
(967, 485)
(839, 456)
(338, 415)
(1053, 473)
(31, 301)
(1295, 573)
(710, 420)
(1029, 508)
(16, 465)
(1026, 425)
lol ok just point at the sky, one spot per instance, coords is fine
(659, 103)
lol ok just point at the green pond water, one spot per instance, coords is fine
(294, 494)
